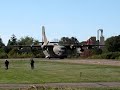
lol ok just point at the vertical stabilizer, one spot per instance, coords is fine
(44, 38)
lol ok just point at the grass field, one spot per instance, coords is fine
(20, 72)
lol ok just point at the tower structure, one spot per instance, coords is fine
(100, 39)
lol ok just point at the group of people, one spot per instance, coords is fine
(31, 63)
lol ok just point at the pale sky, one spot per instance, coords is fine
(77, 18)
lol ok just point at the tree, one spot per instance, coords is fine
(30, 41)
(1, 43)
(25, 41)
(113, 44)
(12, 40)
(2, 50)
(74, 40)
(70, 41)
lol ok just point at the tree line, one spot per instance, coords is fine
(112, 46)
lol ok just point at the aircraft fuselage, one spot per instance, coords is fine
(56, 51)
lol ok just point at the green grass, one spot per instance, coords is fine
(20, 72)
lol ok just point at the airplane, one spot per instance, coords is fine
(55, 50)
(49, 50)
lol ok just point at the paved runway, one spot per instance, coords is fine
(96, 84)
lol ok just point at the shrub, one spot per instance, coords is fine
(3, 55)
(97, 51)
(110, 55)
(23, 55)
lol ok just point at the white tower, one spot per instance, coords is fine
(101, 40)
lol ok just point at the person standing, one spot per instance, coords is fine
(32, 63)
(6, 64)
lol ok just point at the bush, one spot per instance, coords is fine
(14, 53)
(23, 55)
(110, 55)
(3, 55)
(97, 51)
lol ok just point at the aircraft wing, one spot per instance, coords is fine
(67, 46)
(91, 45)
(49, 42)
(31, 46)
(26, 46)
(81, 46)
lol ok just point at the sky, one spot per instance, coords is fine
(61, 18)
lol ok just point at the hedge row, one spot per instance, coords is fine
(110, 55)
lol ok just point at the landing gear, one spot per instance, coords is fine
(61, 57)
(48, 57)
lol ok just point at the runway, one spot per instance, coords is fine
(78, 85)
(62, 85)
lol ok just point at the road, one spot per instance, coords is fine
(72, 85)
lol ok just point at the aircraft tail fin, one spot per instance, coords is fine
(44, 38)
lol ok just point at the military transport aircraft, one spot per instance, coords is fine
(55, 50)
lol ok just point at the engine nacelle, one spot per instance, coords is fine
(20, 48)
(44, 47)
(58, 50)
(89, 47)
(81, 49)
(72, 47)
